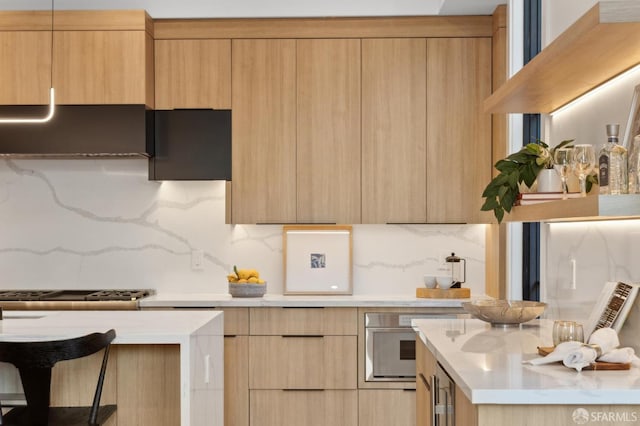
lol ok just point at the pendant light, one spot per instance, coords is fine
(49, 116)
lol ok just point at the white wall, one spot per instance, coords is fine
(604, 251)
(93, 223)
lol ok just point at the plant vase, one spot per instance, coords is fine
(549, 181)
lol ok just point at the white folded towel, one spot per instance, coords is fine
(622, 355)
(606, 338)
(578, 355)
(558, 354)
(580, 358)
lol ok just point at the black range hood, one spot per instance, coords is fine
(79, 131)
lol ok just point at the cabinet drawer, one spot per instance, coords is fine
(286, 362)
(382, 407)
(308, 408)
(236, 321)
(319, 321)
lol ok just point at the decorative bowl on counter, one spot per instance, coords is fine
(247, 289)
(504, 313)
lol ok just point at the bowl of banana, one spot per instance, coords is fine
(246, 283)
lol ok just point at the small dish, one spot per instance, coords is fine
(444, 281)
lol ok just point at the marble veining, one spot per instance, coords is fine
(100, 223)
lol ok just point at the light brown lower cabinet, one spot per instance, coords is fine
(386, 407)
(303, 362)
(236, 380)
(143, 380)
(304, 407)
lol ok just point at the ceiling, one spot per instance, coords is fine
(270, 8)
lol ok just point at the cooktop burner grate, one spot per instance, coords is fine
(117, 295)
(28, 295)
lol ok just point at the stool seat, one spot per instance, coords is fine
(69, 416)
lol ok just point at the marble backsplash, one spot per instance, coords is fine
(99, 223)
(603, 251)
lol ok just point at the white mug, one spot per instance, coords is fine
(429, 281)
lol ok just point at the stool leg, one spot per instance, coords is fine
(36, 383)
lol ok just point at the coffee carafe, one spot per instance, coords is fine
(458, 267)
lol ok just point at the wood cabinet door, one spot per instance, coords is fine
(103, 67)
(263, 131)
(394, 130)
(303, 321)
(385, 407)
(25, 68)
(304, 408)
(458, 131)
(236, 380)
(328, 131)
(303, 362)
(425, 369)
(193, 74)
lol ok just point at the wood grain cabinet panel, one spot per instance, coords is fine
(458, 131)
(308, 408)
(387, 407)
(301, 321)
(303, 362)
(103, 67)
(394, 119)
(25, 68)
(236, 380)
(264, 131)
(425, 369)
(193, 74)
(328, 131)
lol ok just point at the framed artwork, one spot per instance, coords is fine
(633, 123)
(317, 259)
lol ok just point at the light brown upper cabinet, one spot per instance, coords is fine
(458, 131)
(394, 117)
(25, 69)
(99, 57)
(193, 74)
(328, 131)
(263, 131)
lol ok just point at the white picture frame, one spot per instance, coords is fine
(317, 259)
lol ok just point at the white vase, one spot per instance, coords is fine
(549, 181)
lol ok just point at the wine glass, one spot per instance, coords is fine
(562, 164)
(583, 160)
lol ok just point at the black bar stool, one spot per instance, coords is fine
(34, 361)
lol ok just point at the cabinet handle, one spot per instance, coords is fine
(303, 336)
(409, 390)
(230, 335)
(424, 381)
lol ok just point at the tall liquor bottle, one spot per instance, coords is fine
(612, 164)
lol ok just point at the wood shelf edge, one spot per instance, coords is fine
(541, 86)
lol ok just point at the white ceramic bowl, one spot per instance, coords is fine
(429, 281)
(444, 281)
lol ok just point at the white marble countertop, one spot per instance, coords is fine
(204, 300)
(486, 363)
(132, 327)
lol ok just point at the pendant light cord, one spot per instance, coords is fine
(52, 32)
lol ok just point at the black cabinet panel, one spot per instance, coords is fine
(192, 144)
(79, 130)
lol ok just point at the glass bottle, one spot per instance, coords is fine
(612, 164)
(634, 166)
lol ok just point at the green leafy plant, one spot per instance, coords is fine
(519, 168)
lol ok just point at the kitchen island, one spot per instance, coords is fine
(492, 386)
(164, 367)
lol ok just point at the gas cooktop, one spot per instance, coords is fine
(71, 295)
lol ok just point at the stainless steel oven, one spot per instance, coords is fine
(390, 345)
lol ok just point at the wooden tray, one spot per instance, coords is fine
(598, 365)
(439, 293)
